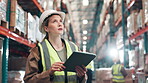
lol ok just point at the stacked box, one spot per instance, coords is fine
(132, 23)
(26, 25)
(119, 38)
(44, 4)
(103, 74)
(140, 19)
(17, 18)
(16, 76)
(145, 6)
(128, 1)
(3, 9)
(115, 5)
(31, 28)
(39, 36)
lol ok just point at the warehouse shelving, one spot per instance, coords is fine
(141, 31)
(128, 7)
(6, 32)
(121, 23)
(11, 38)
(38, 5)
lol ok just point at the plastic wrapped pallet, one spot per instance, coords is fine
(128, 1)
(39, 36)
(31, 28)
(17, 18)
(140, 19)
(3, 9)
(16, 76)
(132, 23)
(103, 75)
(145, 6)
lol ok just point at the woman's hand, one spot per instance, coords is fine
(57, 66)
(81, 71)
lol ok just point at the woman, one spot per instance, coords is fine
(45, 62)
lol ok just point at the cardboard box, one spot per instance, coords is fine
(132, 23)
(17, 18)
(31, 28)
(3, 9)
(16, 76)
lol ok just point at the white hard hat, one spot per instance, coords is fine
(47, 13)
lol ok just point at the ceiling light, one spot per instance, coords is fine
(85, 21)
(68, 21)
(84, 42)
(84, 38)
(85, 2)
(84, 48)
(85, 32)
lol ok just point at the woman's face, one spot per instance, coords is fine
(55, 25)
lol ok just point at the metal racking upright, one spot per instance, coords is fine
(6, 35)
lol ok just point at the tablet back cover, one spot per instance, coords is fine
(78, 59)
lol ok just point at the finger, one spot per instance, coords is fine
(84, 68)
(80, 71)
(58, 66)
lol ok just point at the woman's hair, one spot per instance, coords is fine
(46, 20)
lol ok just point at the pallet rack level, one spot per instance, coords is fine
(6, 32)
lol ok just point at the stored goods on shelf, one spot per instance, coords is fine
(115, 5)
(140, 19)
(17, 18)
(145, 6)
(16, 76)
(31, 28)
(3, 9)
(132, 23)
(119, 38)
(39, 36)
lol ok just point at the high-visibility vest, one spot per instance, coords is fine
(50, 56)
(117, 75)
(90, 66)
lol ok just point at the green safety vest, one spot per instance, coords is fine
(50, 56)
(117, 75)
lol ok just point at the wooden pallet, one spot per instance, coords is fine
(4, 23)
(15, 30)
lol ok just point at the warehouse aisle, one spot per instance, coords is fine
(108, 28)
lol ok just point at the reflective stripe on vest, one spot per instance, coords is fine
(50, 56)
(117, 75)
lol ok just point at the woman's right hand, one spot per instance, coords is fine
(57, 66)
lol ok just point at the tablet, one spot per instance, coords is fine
(78, 59)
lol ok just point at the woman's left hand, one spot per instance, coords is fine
(81, 71)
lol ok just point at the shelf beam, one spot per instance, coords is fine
(38, 5)
(6, 32)
(129, 6)
(139, 33)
